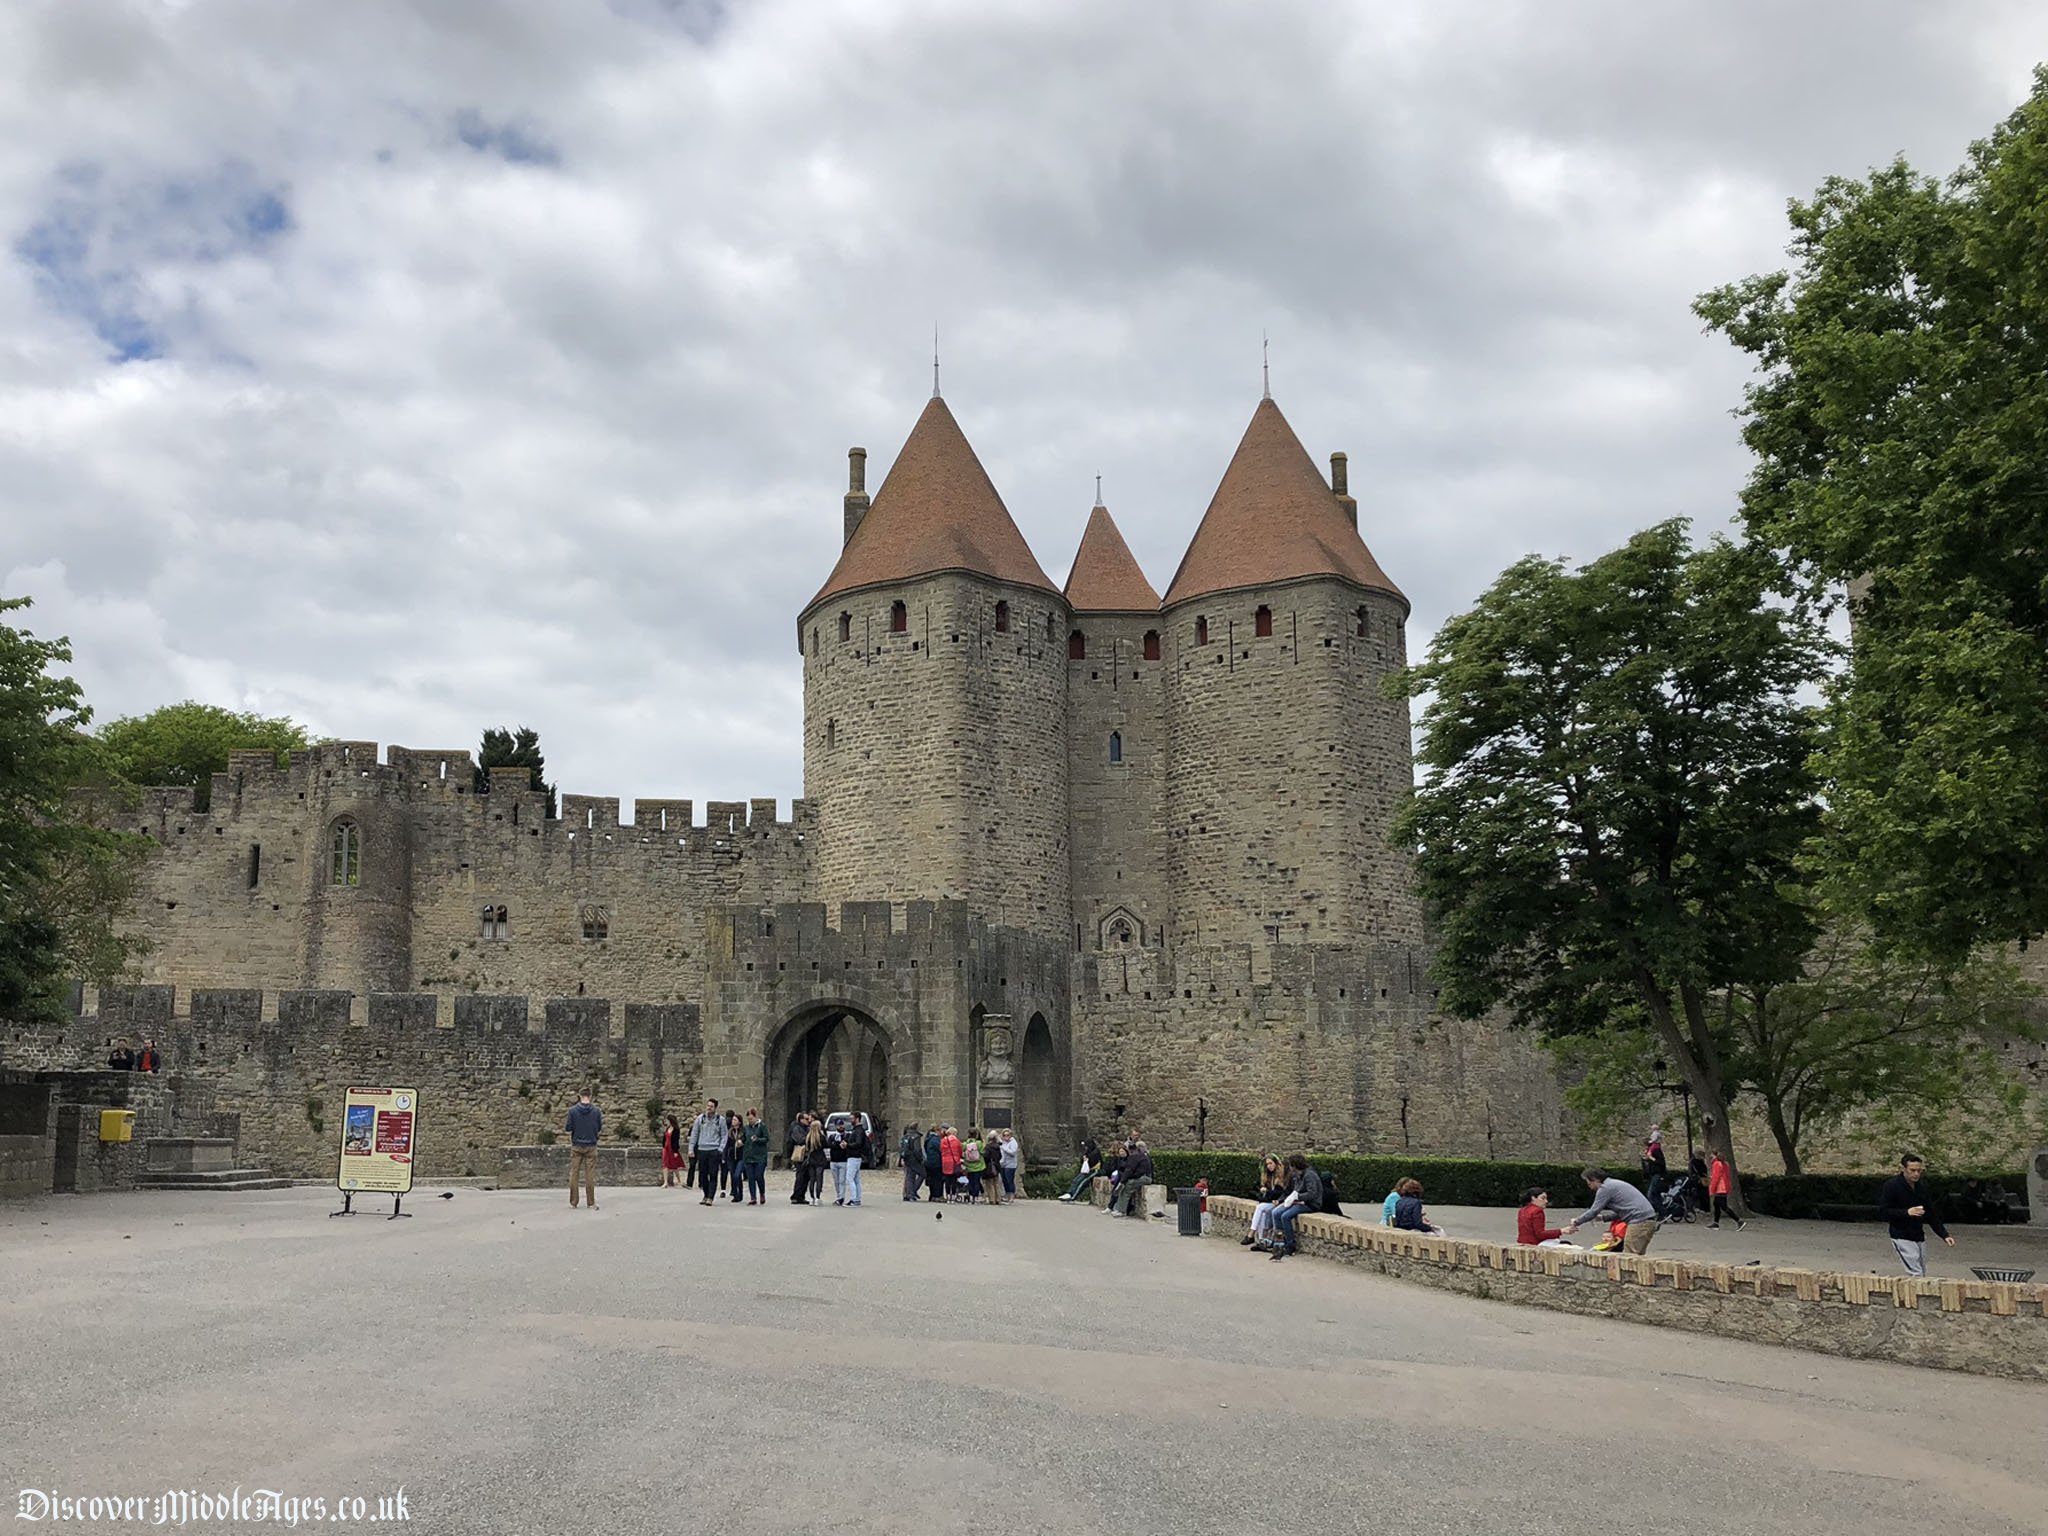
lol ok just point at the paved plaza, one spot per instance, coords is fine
(655, 1367)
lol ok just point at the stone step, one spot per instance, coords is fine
(214, 1178)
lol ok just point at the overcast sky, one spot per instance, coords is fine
(409, 369)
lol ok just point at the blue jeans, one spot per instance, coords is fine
(838, 1180)
(1284, 1218)
(757, 1180)
(853, 1181)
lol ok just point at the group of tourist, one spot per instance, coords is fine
(125, 1058)
(940, 1164)
(721, 1152)
(1128, 1167)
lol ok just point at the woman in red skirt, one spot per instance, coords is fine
(671, 1153)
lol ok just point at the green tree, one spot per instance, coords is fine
(1863, 1032)
(64, 881)
(1619, 794)
(517, 748)
(1900, 427)
(189, 743)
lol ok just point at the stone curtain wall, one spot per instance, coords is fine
(492, 1071)
(1961, 1325)
(1119, 808)
(936, 756)
(241, 894)
(1285, 764)
(1296, 1046)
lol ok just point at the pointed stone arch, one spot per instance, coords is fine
(1119, 929)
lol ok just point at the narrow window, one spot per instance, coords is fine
(814, 639)
(1051, 628)
(899, 618)
(255, 863)
(1116, 746)
(496, 924)
(345, 866)
(1361, 619)
(1077, 646)
(1002, 618)
(845, 626)
(597, 922)
(1201, 631)
(1151, 645)
(831, 734)
(1262, 621)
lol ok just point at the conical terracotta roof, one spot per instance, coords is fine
(1273, 519)
(937, 511)
(1106, 577)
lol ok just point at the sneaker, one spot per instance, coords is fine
(1740, 1224)
(1279, 1256)
(839, 1202)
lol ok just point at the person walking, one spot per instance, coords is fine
(835, 1151)
(910, 1153)
(1656, 1171)
(586, 1120)
(707, 1140)
(1910, 1213)
(1621, 1201)
(799, 1159)
(934, 1166)
(735, 1140)
(1009, 1161)
(1720, 1185)
(754, 1157)
(856, 1156)
(671, 1153)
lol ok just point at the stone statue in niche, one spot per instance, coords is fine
(998, 1070)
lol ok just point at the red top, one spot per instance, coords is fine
(949, 1155)
(1719, 1180)
(1529, 1226)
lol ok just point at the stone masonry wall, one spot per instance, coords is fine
(1285, 765)
(1119, 807)
(935, 756)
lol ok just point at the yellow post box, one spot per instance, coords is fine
(117, 1125)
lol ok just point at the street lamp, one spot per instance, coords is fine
(1684, 1092)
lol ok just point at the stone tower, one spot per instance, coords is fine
(1116, 743)
(935, 679)
(1285, 760)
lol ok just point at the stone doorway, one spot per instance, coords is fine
(827, 1058)
(1038, 1095)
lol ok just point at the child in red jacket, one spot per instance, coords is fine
(1721, 1184)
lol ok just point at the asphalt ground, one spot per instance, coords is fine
(657, 1367)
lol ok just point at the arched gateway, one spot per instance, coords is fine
(827, 1056)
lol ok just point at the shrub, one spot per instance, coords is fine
(1050, 1183)
(545, 1138)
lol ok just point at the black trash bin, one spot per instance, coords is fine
(1190, 1212)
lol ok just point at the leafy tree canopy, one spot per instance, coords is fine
(1900, 426)
(63, 880)
(517, 748)
(1619, 794)
(189, 743)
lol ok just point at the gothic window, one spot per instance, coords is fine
(1201, 631)
(899, 618)
(597, 921)
(1077, 646)
(1151, 645)
(1120, 932)
(1361, 619)
(845, 626)
(1002, 618)
(496, 923)
(1262, 621)
(345, 860)
(1116, 746)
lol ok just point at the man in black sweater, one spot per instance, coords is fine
(1909, 1213)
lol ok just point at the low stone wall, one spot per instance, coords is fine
(548, 1167)
(1957, 1325)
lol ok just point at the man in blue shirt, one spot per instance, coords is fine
(585, 1121)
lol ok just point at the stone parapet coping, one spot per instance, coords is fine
(1972, 1325)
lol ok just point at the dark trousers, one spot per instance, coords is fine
(708, 1164)
(935, 1182)
(1721, 1208)
(736, 1180)
(756, 1177)
(913, 1180)
(800, 1177)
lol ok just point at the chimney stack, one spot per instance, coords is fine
(856, 489)
(1340, 485)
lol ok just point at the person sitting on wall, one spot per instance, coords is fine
(151, 1060)
(1529, 1222)
(1621, 1201)
(1304, 1197)
(1272, 1190)
(1136, 1175)
(121, 1059)
(1391, 1204)
(1091, 1156)
(1408, 1213)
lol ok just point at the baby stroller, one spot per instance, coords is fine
(1678, 1201)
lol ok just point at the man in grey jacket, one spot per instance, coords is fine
(1619, 1202)
(708, 1136)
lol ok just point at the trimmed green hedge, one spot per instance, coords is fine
(1363, 1181)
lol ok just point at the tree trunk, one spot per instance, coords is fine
(1700, 1065)
(1781, 1133)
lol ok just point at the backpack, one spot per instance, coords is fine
(1330, 1206)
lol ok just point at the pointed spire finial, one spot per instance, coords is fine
(1265, 368)
(1098, 490)
(935, 360)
